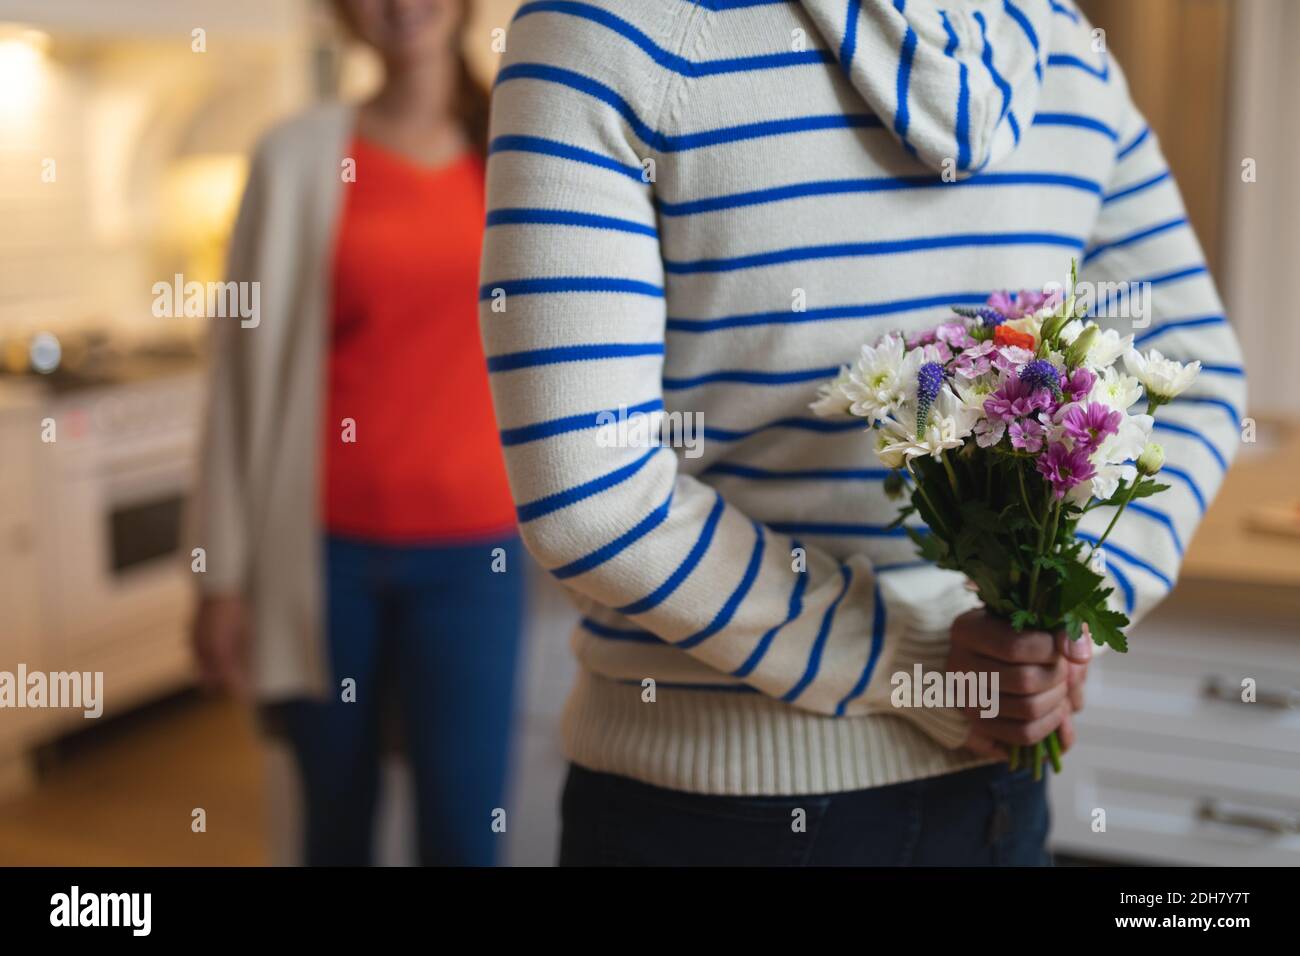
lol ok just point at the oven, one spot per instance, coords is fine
(116, 588)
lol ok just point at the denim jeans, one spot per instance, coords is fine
(436, 630)
(987, 816)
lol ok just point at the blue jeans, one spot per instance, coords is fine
(437, 630)
(987, 816)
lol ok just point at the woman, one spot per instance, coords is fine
(352, 465)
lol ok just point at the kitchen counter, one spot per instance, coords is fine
(1228, 557)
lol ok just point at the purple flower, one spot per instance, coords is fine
(1091, 425)
(1027, 435)
(928, 381)
(1041, 373)
(1017, 399)
(1063, 468)
(1078, 385)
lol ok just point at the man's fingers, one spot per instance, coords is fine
(1001, 643)
(1012, 678)
(1078, 677)
(1023, 732)
(1030, 706)
(1079, 651)
(1066, 733)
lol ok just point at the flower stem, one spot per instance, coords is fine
(1132, 490)
(1054, 750)
(952, 476)
(920, 486)
(1055, 512)
(1024, 496)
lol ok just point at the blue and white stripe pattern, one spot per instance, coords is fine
(707, 206)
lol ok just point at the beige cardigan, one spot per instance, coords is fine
(256, 510)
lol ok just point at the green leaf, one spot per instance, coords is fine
(1078, 582)
(1023, 619)
(1146, 487)
(903, 514)
(1106, 625)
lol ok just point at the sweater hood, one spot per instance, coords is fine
(955, 81)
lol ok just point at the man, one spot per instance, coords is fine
(709, 207)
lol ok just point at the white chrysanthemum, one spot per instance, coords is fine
(949, 423)
(1163, 378)
(974, 391)
(831, 399)
(890, 442)
(1070, 331)
(883, 378)
(1106, 347)
(1115, 389)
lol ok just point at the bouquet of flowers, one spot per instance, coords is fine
(1008, 424)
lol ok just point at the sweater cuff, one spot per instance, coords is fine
(920, 608)
(947, 726)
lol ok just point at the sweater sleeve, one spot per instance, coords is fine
(572, 312)
(1152, 281)
(218, 520)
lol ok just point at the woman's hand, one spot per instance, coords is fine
(1040, 680)
(221, 642)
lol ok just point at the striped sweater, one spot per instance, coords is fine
(707, 207)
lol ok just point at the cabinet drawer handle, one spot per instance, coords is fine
(1212, 812)
(1278, 698)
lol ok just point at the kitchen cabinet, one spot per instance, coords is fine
(1190, 743)
(19, 579)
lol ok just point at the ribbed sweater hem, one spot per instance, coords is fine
(742, 744)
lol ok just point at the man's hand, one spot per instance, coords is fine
(221, 642)
(1040, 680)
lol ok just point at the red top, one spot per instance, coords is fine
(406, 362)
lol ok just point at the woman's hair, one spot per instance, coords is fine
(471, 100)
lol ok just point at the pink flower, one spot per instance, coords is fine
(1009, 358)
(973, 362)
(1091, 425)
(1017, 305)
(937, 352)
(1064, 468)
(989, 431)
(1017, 399)
(924, 337)
(1027, 435)
(954, 334)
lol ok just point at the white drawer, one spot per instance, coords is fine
(1163, 805)
(1183, 678)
